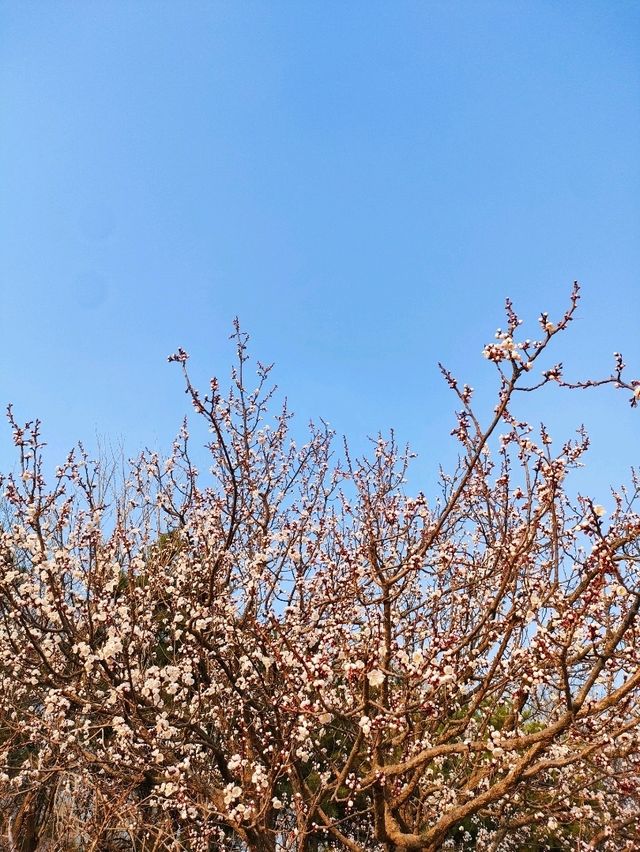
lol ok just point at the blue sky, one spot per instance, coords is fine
(361, 183)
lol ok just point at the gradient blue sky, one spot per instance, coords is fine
(362, 183)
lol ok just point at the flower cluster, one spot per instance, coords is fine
(505, 349)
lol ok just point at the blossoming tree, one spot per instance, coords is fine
(293, 653)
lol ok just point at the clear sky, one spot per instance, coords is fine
(362, 183)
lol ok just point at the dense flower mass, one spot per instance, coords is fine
(291, 652)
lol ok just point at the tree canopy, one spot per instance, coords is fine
(292, 652)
